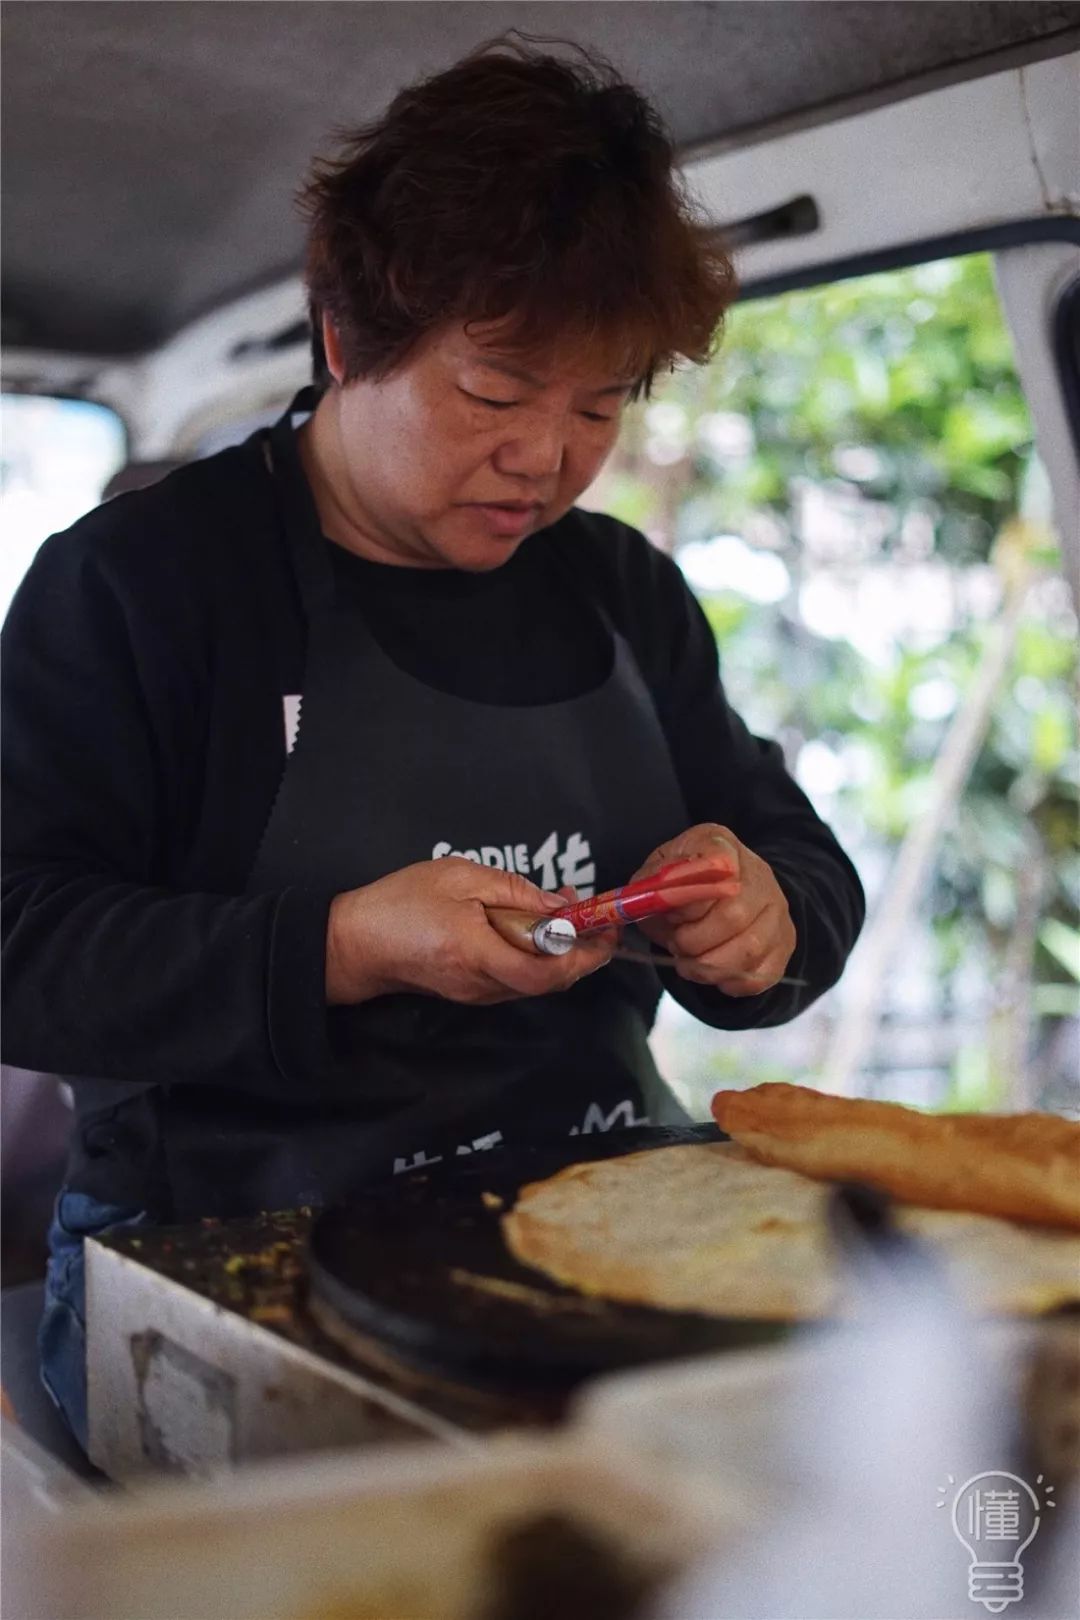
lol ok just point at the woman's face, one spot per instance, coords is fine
(461, 452)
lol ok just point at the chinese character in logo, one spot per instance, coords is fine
(992, 1512)
(575, 863)
(994, 1515)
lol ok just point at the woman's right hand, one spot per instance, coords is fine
(425, 929)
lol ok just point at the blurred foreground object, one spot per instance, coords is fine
(425, 1534)
(878, 1429)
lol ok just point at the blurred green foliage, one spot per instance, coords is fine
(875, 429)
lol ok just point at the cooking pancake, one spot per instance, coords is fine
(1023, 1166)
(708, 1228)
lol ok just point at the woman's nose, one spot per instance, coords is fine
(534, 452)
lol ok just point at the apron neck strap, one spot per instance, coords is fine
(308, 548)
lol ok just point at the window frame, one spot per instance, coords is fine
(1065, 343)
(953, 245)
(13, 389)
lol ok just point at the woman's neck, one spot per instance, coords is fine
(341, 515)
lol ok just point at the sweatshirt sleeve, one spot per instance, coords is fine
(111, 969)
(731, 777)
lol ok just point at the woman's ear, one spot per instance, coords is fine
(335, 359)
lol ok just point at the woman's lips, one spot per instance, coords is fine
(507, 521)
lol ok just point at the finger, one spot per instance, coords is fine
(746, 954)
(724, 920)
(491, 887)
(683, 916)
(531, 973)
(659, 925)
(698, 843)
(725, 843)
(557, 974)
(492, 994)
(522, 974)
(659, 930)
(473, 986)
(706, 838)
(677, 849)
(768, 974)
(592, 951)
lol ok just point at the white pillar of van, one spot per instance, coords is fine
(1031, 281)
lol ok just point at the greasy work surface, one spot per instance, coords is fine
(420, 1265)
(257, 1267)
(254, 1266)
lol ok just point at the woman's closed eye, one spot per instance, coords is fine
(508, 405)
(495, 404)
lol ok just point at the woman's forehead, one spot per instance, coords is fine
(567, 356)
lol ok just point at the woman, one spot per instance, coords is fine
(280, 728)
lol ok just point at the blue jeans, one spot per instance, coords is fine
(62, 1335)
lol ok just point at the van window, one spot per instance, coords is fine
(57, 456)
(851, 490)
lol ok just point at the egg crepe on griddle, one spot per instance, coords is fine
(708, 1228)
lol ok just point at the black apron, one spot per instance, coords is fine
(386, 771)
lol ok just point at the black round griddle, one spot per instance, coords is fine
(417, 1267)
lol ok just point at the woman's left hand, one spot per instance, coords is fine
(741, 943)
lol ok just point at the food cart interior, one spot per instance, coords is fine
(384, 1410)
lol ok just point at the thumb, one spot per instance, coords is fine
(663, 855)
(495, 888)
(722, 845)
(694, 844)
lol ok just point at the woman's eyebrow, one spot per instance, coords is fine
(526, 377)
(506, 370)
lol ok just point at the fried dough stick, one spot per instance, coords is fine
(1025, 1167)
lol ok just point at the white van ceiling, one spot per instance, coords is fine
(152, 149)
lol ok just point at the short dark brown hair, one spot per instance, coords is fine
(519, 188)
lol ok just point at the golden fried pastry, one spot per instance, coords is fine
(1022, 1166)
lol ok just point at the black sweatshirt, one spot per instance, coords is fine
(146, 656)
